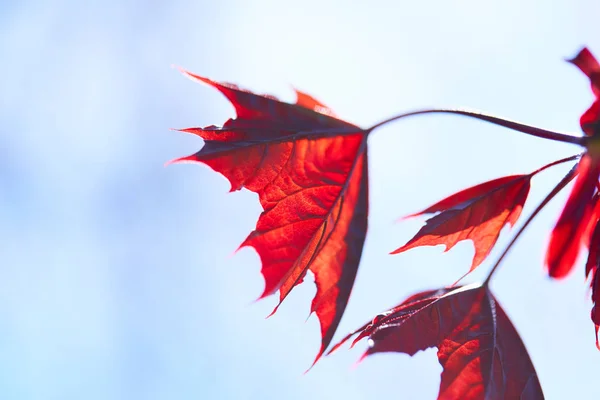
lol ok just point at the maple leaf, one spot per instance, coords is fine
(480, 351)
(309, 170)
(478, 214)
(578, 215)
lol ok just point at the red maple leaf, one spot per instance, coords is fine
(309, 170)
(478, 213)
(578, 216)
(480, 351)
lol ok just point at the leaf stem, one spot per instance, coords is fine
(560, 186)
(553, 163)
(517, 126)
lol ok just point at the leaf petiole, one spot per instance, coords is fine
(517, 126)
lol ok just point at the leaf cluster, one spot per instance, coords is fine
(310, 171)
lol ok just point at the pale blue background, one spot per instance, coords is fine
(117, 279)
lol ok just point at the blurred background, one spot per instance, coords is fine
(118, 279)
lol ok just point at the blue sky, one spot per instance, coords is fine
(118, 278)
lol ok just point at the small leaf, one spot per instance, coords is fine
(585, 61)
(588, 64)
(480, 351)
(478, 213)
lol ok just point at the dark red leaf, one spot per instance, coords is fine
(478, 213)
(596, 299)
(574, 222)
(480, 351)
(591, 269)
(310, 172)
(586, 62)
(593, 241)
